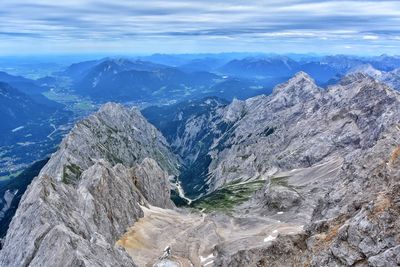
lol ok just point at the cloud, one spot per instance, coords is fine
(370, 37)
(146, 26)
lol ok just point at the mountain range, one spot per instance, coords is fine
(27, 86)
(304, 176)
(137, 80)
(325, 70)
(167, 78)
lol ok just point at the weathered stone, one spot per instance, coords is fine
(90, 192)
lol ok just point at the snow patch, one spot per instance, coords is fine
(204, 259)
(269, 238)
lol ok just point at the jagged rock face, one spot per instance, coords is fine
(300, 125)
(357, 222)
(331, 161)
(116, 134)
(90, 192)
(391, 78)
(153, 183)
(352, 213)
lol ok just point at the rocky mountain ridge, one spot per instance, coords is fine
(340, 116)
(90, 191)
(138, 81)
(330, 159)
(356, 121)
(279, 118)
(328, 162)
(391, 78)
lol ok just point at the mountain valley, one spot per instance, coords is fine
(304, 176)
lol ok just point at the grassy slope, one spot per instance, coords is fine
(228, 197)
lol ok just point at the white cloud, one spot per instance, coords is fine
(370, 37)
(124, 22)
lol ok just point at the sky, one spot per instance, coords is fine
(175, 26)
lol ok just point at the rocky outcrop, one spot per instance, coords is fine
(350, 214)
(90, 192)
(330, 159)
(300, 125)
(286, 251)
(116, 134)
(153, 183)
(391, 78)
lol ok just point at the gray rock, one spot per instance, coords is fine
(390, 257)
(90, 192)
(391, 78)
(281, 198)
(357, 121)
(153, 182)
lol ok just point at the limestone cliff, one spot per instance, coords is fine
(90, 192)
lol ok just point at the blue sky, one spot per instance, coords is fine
(175, 26)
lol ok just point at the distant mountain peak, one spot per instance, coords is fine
(301, 75)
(362, 91)
(366, 69)
(301, 81)
(356, 77)
(299, 89)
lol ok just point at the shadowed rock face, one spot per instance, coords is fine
(90, 192)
